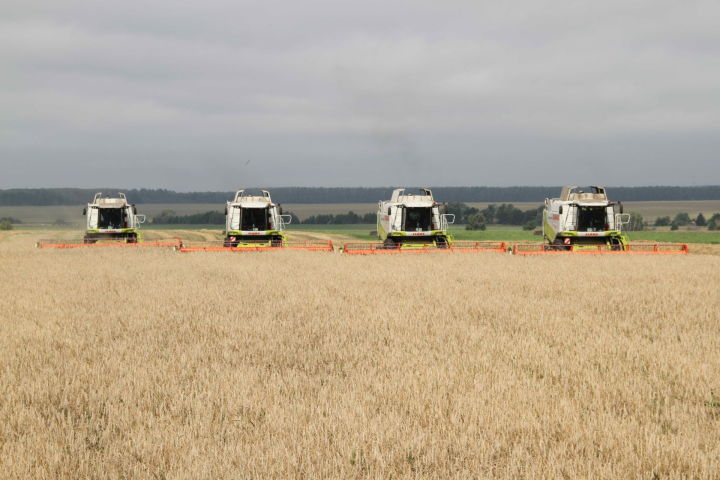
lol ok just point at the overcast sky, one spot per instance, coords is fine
(217, 95)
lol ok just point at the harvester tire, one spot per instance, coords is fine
(559, 245)
(389, 244)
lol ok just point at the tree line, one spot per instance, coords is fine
(350, 218)
(472, 217)
(6, 223)
(683, 219)
(169, 217)
(505, 214)
(79, 196)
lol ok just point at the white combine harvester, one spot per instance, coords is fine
(254, 221)
(414, 223)
(586, 221)
(112, 218)
(110, 221)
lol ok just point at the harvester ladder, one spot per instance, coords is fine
(572, 218)
(398, 210)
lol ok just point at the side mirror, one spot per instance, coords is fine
(84, 211)
(226, 211)
(622, 207)
(561, 210)
(134, 209)
(280, 208)
(389, 211)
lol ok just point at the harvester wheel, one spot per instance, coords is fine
(615, 245)
(559, 245)
(389, 244)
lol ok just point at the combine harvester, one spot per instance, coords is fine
(589, 223)
(416, 223)
(255, 223)
(111, 221)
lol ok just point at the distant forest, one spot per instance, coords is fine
(78, 196)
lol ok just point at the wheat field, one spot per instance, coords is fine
(150, 364)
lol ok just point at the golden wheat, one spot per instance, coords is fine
(153, 364)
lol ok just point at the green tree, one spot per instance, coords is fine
(531, 225)
(5, 225)
(674, 226)
(700, 220)
(461, 211)
(682, 219)
(714, 222)
(636, 222)
(662, 221)
(294, 219)
(476, 221)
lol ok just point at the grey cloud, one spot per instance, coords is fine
(182, 94)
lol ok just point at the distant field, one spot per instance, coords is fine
(652, 210)
(72, 215)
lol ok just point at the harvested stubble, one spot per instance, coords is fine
(152, 364)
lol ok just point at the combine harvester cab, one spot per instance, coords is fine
(415, 223)
(588, 222)
(255, 223)
(110, 221)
